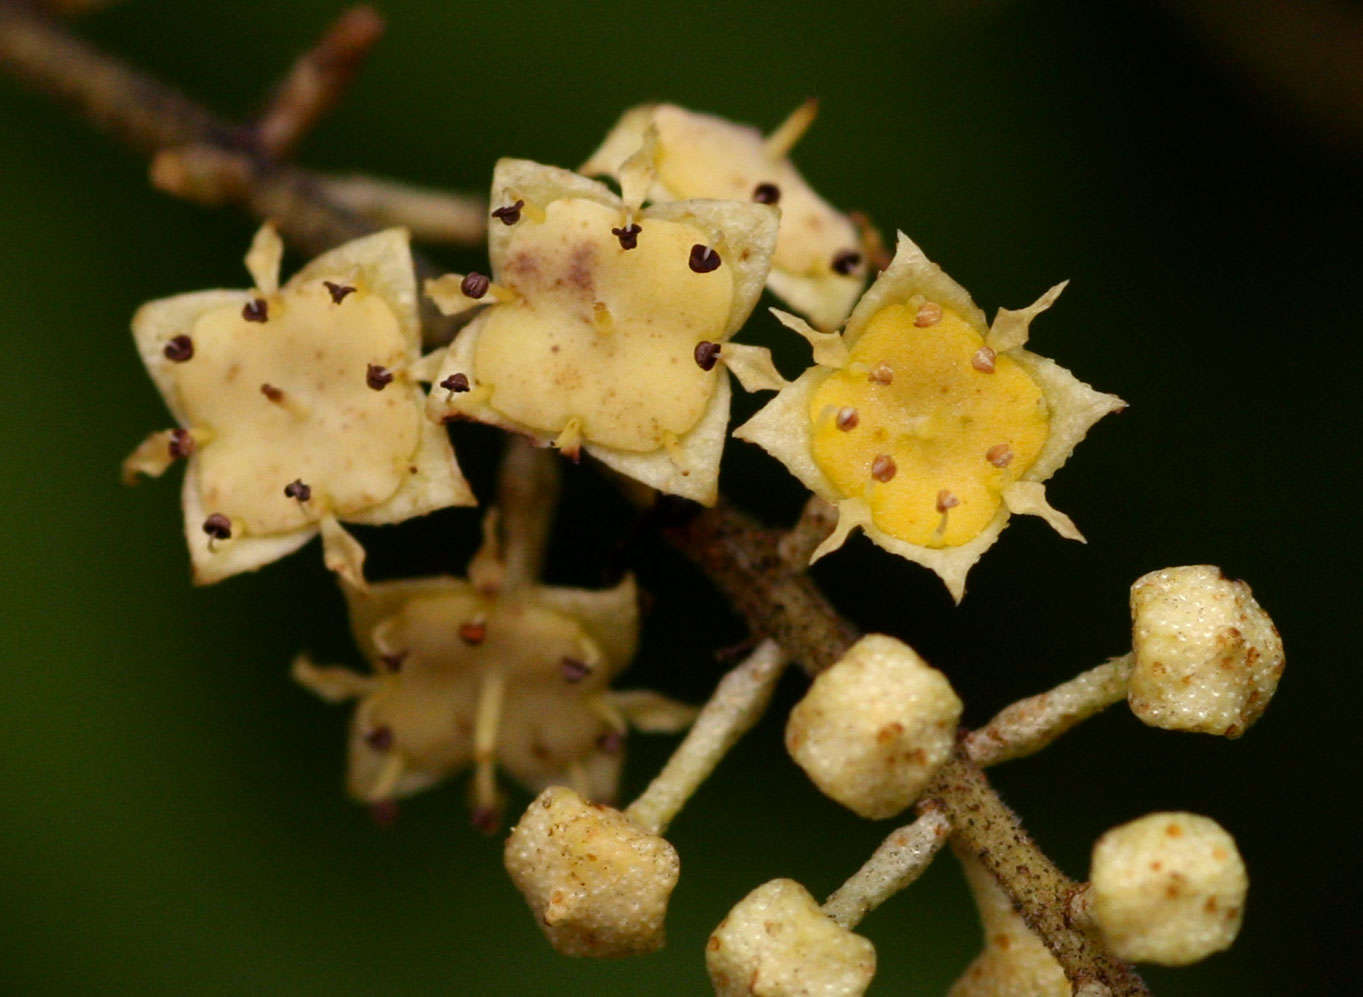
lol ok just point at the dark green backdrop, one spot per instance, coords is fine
(172, 818)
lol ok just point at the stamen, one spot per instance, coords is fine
(378, 377)
(338, 292)
(881, 373)
(766, 193)
(295, 489)
(847, 418)
(628, 236)
(256, 310)
(703, 259)
(846, 261)
(1000, 455)
(393, 662)
(983, 360)
(456, 383)
(473, 633)
(946, 500)
(574, 670)
(706, 354)
(475, 285)
(380, 738)
(509, 214)
(179, 349)
(218, 527)
(181, 443)
(929, 314)
(883, 468)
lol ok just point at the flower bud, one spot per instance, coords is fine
(776, 942)
(875, 727)
(1207, 658)
(597, 884)
(1167, 888)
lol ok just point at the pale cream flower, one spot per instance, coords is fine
(466, 673)
(298, 405)
(607, 321)
(818, 268)
(925, 426)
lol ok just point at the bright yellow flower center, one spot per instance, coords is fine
(601, 334)
(927, 424)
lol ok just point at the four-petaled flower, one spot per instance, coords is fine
(606, 320)
(298, 407)
(482, 672)
(926, 426)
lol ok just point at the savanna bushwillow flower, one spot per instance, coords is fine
(818, 267)
(607, 322)
(924, 425)
(476, 671)
(298, 406)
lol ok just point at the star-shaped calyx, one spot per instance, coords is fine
(298, 406)
(607, 322)
(926, 426)
(819, 266)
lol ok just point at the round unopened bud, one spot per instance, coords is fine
(1207, 658)
(597, 884)
(1167, 888)
(776, 942)
(874, 728)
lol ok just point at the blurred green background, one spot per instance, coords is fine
(173, 819)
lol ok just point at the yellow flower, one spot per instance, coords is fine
(926, 426)
(298, 407)
(607, 322)
(818, 268)
(477, 672)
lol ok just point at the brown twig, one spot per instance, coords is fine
(318, 80)
(198, 155)
(194, 153)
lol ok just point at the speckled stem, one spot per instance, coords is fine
(901, 858)
(1025, 727)
(1040, 892)
(778, 600)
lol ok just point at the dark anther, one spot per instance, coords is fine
(179, 349)
(706, 354)
(946, 500)
(181, 443)
(378, 377)
(295, 489)
(271, 392)
(509, 214)
(766, 193)
(338, 291)
(846, 261)
(218, 527)
(475, 285)
(393, 662)
(473, 633)
(703, 259)
(255, 310)
(611, 742)
(628, 236)
(847, 418)
(574, 670)
(380, 738)
(456, 383)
